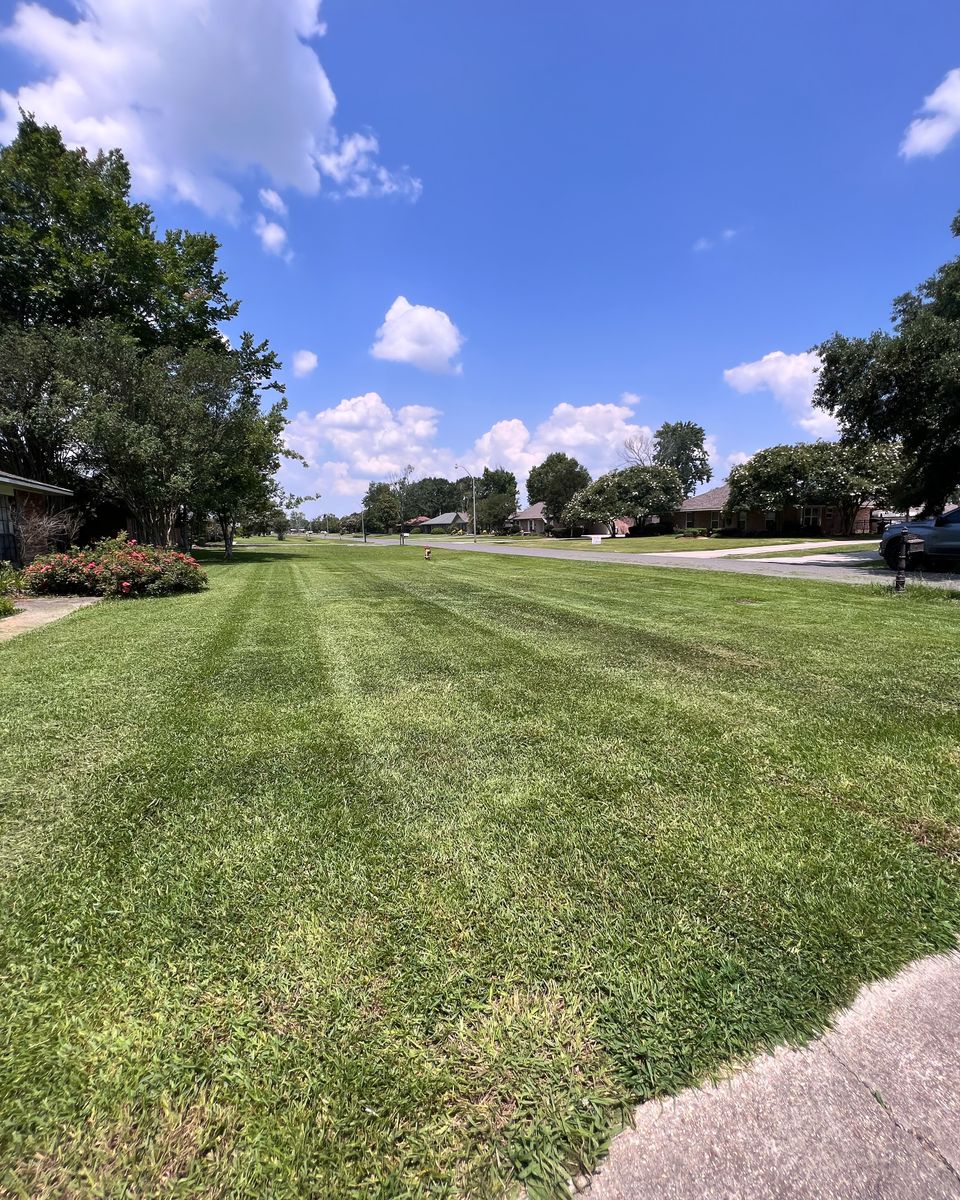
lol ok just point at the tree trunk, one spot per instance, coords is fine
(227, 528)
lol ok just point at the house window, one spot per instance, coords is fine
(811, 515)
(770, 520)
(716, 521)
(741, 519)
(691, 520)
(7, 544)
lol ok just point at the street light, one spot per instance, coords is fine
(461, 467)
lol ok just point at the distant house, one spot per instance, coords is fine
(530, 520)
(414, 523)
(711, 511)
(17, 492)
(450, 522)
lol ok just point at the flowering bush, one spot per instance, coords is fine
(115, 567)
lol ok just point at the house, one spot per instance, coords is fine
(413, 524)
(16, 492)
(710, 510)
(451, 522)
(530, 520)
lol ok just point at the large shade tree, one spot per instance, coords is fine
(682, 446)
(555, 482)
(639, 492)
(905, 385)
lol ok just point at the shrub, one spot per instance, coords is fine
(11, 580)
(115, 567)
(7, 607)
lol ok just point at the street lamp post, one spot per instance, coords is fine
(363, 523)
(473, 483)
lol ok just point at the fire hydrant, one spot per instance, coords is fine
(427, 553)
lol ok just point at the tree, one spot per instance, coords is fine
(382, 508)
(646, 492)
(598, 502)
(326, 523)
(494, 509)
(638, 492)
(844, 477)
(680, 445)
(905, 386)
(497, 481)
(352, 522)
(431, 496)
(639, 451)
(555, 482)
(74, 248)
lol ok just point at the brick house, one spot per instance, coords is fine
(17, 492)
(710, 510)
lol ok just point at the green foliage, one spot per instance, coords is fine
(382, 507)
(327, 523)
(844, 476)
(73, 248)
(639, 492)
(905, 386)
(115, 567)
(681, 445)
(555, 482)
(431, 496)
(494, 509)
(11, 579)
(7, 607)
(496, 482)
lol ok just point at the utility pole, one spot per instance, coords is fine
(473, 482)
(363, 522)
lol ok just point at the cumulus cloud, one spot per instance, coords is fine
(304, 361)
(722, 464)
(791, 379)
(932, 132)
(422, 336)
(274, 201)
(362, 438)
(198, 95)
(273, 237)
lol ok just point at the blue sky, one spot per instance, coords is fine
(598, 217)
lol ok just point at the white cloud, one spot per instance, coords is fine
(708, 243)
(197, 94)
(930, 134)
(304, 361)
(424, 337)
(722, 464)
(273, 237)
(791, 379)
(274, 201)
(363, 438)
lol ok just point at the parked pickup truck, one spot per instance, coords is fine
(940, 537)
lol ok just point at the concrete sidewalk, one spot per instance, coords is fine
(40, 610)
(869, 1111)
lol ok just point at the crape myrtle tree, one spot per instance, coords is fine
(904, 386)
(842, 476)
(639, 492)
(555, 482)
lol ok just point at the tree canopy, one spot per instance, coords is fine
(555, 482)
(904, 386)
(843, 476)
(682, 446)
(115, 378)
(638, 491)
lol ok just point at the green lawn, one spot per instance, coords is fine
(360, 876)
(870, 547)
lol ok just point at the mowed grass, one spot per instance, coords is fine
(654, 544)
(360, 876)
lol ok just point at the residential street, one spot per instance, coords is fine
(817, 567)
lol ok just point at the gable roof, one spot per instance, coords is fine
(450, 518)
(716, 500)
(22, 484)
(533, 513)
